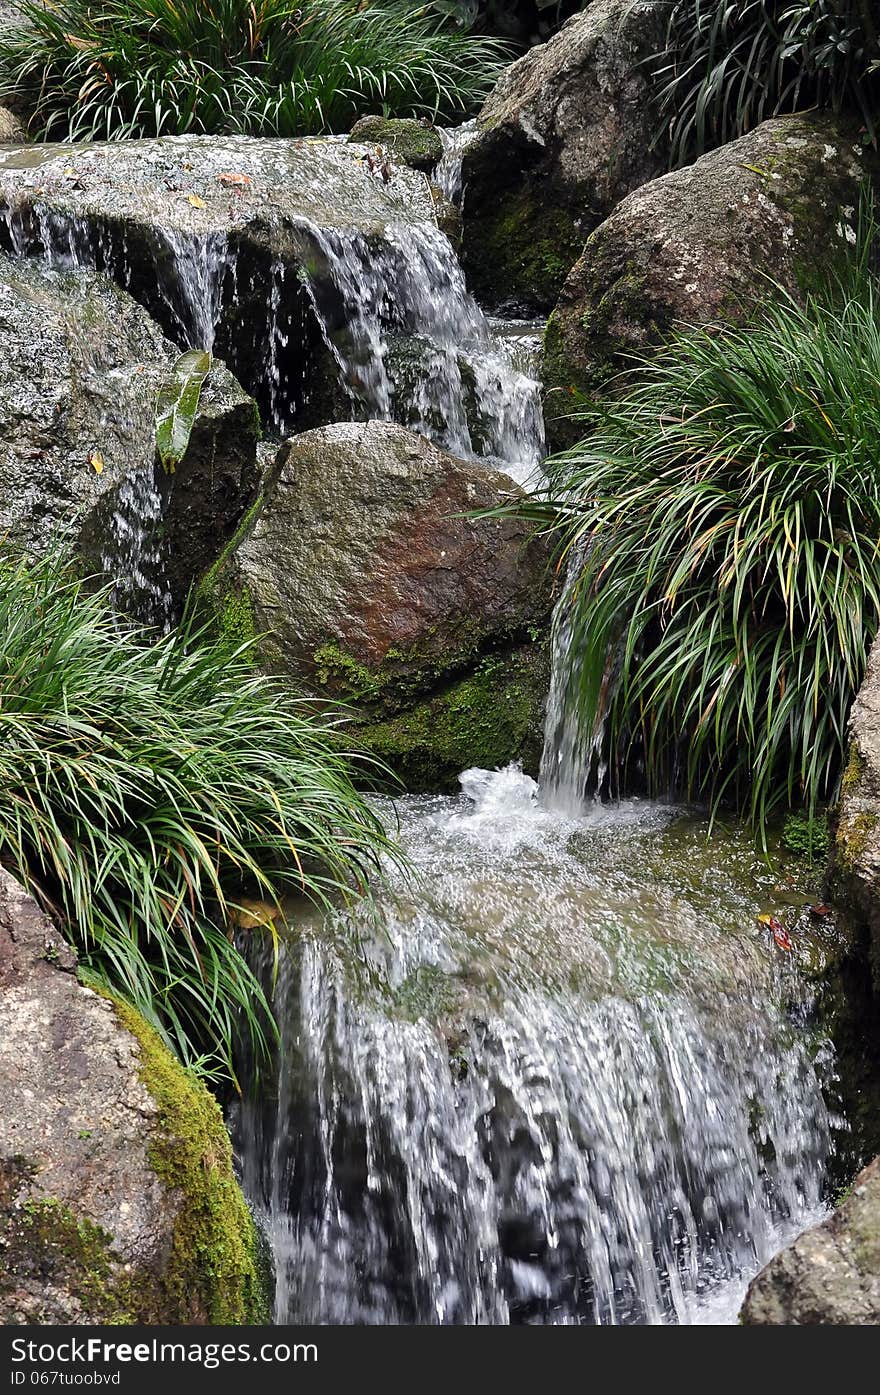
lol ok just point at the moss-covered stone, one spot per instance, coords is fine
(44, 1242)
(697, 247)
(491, 717)
(565, 134)
(413, 143)
(216, 1272)
(528, 244)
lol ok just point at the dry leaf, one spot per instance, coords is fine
(234, 180)
(196, 201)
(252, 915)
(96, 460)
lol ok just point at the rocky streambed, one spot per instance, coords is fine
(572, 1079)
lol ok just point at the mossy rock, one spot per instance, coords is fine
(487, 719)
(118, 1199)
(528, 243)
(567, 132)
(699, 247)
(378, 572)
(413, 143)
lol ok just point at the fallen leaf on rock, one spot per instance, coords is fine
(96, 460)
(196, 201)
(251, 915)
(782, 937)
(821, 910)
(235, 180)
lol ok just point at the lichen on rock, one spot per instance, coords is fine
(700, 246)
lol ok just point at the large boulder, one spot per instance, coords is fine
(831, 1274)
(219, 238)
(80, 369)
(567, 132)
(698, 245)
(855, 869)
(118, 1201)
(375, 585)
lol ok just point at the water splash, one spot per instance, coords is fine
(568, 1084)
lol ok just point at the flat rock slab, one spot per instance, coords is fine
(210, 184)
(216, 237)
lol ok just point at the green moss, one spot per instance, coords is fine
(414, 143)
(853, 836)
(807, 837)
(404, 674)
(855, 769)
(222, 599)
(583, 341)
(46, 1246)
(487, 719)
(216, 1272)
(522, 248)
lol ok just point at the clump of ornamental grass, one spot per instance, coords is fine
(730, 64)
(128, 68)
(721, 530)
(149, 792)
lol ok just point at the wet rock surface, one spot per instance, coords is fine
(698, 246)
(855, 874)
(413, 143)
(214, 236)
(79, 374)
(88, 1226)
(831, 1274)
(566, 133)
(376, 587)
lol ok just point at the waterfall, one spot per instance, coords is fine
(558, 1075)
(448, 174)
(412, 345)
(564, 1086)
(132, 550)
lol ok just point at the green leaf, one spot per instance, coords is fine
(177, 404)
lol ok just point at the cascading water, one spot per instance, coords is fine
(412, 345)
(448, 174)
(562, 1076)
(567, 1079)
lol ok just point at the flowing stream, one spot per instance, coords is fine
(560, 1074)
(565, 1078)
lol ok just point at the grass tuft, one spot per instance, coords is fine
(730, 64)
(721, 528)
(129, 68)
(145, 788)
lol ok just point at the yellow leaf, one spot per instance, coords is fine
(96, 460)
(196, 201)
(253, 915)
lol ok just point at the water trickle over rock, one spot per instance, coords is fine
(571, 1085)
